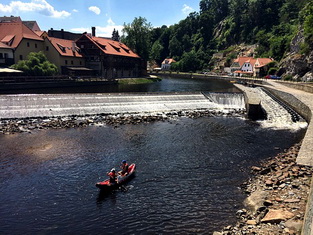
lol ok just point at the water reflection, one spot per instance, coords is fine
(167, 84)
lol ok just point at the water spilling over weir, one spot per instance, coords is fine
(23, 106)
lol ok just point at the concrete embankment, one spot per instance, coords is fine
(300, 98)
(302, 102)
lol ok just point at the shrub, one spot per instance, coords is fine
(36, 64)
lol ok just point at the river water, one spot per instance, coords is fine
(188, 175)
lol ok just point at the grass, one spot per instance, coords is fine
(138, 80)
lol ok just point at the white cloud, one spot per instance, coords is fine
(81, 30)
(75, 10)
(101, 31)
(187, 9)
(110, 22)
(95, 10)
(39, 6)
(107, 31)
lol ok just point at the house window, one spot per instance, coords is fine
(35, 45)
(1, 56)
(6, 55)
(47, 48)
(72, 62)
(28, 44)
(80, 62)
(65, 61)
(21, 57)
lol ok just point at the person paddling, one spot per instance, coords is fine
(112, 176)
(124, 168)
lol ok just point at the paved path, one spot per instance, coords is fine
(305, 156)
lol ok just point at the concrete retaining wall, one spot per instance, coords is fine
(299, 86)
(293, 102)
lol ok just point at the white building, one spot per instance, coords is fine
(166, 64)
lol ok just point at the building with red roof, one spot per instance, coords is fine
(6, 55)
(20, 38)
(109, 58)
(250, 66)
(166, 64)
(65, 54)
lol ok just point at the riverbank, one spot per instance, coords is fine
(142, 80)
(277, 197)
(11, 126)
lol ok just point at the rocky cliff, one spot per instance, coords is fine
(297, 65)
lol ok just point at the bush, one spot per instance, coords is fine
(36, 65)
(272, 71)
(287, 77)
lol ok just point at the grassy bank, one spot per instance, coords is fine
(139, 80)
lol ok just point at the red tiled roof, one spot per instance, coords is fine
(242, 60)
(263, 61)
(65, 47)
(3, 45)
(16, 31)
(39, 33)
(168, 61)
(243, 72)
(111, 47)
(251, 61)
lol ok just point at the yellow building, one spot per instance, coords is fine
(65, 55)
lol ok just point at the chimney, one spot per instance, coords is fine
(93, 29)
(73, 47)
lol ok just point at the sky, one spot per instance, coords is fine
(79, 16)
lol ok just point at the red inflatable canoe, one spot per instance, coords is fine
(121, 179)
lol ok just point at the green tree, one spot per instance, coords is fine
(308, 24)
(156, 52)
(137, 36)
(175, 47)
(115, 35)
(36, 65)
(189, 62)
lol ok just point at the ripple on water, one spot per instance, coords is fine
(187, 179)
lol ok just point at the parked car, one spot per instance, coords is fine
(272, 77)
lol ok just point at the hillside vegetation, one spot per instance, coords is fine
(220, 24)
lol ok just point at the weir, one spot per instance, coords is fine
(227, 100)
(26, 106)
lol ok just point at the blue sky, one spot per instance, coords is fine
(80, 15)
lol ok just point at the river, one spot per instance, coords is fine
(188, 175)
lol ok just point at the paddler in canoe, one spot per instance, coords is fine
(124, 168)
(112, 174)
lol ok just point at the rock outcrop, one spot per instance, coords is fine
(297, 65)
(278, 192)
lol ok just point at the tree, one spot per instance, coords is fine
(36, 64)
(308, 24)
(115, 35)
(175, 47)
(137, 36)
(189, 62)
(156, 52)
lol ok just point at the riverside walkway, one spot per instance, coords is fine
(305, 156)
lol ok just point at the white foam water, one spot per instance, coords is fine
(20, 106)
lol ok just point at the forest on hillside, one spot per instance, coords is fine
(221, 24)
